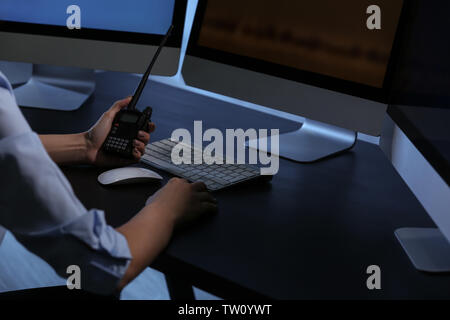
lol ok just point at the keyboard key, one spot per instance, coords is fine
(236, 179)
(163, 146)
(169, 142)
(164, 165)
(189, 174)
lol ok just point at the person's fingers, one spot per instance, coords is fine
(206, 197)
(139, 145)
(199, 186)
(176, 179)
(136, 154)
(119, 105)
(144, 137)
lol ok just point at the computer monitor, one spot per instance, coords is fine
(418, 143)
(317, 59)
(60, 38)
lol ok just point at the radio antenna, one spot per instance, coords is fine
(140, 88)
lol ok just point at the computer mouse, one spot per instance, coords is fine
(128, 175)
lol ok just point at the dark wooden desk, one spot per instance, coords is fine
(310, 234)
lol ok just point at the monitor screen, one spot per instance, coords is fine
(133, 21)
(117, 35)
(138, 16)
(325, 37)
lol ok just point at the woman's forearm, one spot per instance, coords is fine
(66, 148)
(147, 234)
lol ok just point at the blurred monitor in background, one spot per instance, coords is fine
(326, 37)
(316, 59)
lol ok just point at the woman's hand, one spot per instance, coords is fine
(183, 202)
(85, 148)
(96, 136)
(148, 233)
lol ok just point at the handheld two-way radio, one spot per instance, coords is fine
(128, 122)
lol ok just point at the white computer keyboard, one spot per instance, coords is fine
(215, 176)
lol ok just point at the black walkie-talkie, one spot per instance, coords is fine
(128, 122)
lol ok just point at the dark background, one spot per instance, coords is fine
(422, 71)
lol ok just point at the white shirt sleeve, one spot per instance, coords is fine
(38, 205)
(12, 121)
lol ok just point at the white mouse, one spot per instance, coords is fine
(127, 175)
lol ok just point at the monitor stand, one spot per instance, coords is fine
(427, 248)
(313, 141)
(17, 72)
(56, 88)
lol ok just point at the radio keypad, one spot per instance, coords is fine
(117, 143)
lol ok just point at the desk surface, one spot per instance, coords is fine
(310, 233)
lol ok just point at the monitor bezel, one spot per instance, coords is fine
(272, 69)
(175, 41)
